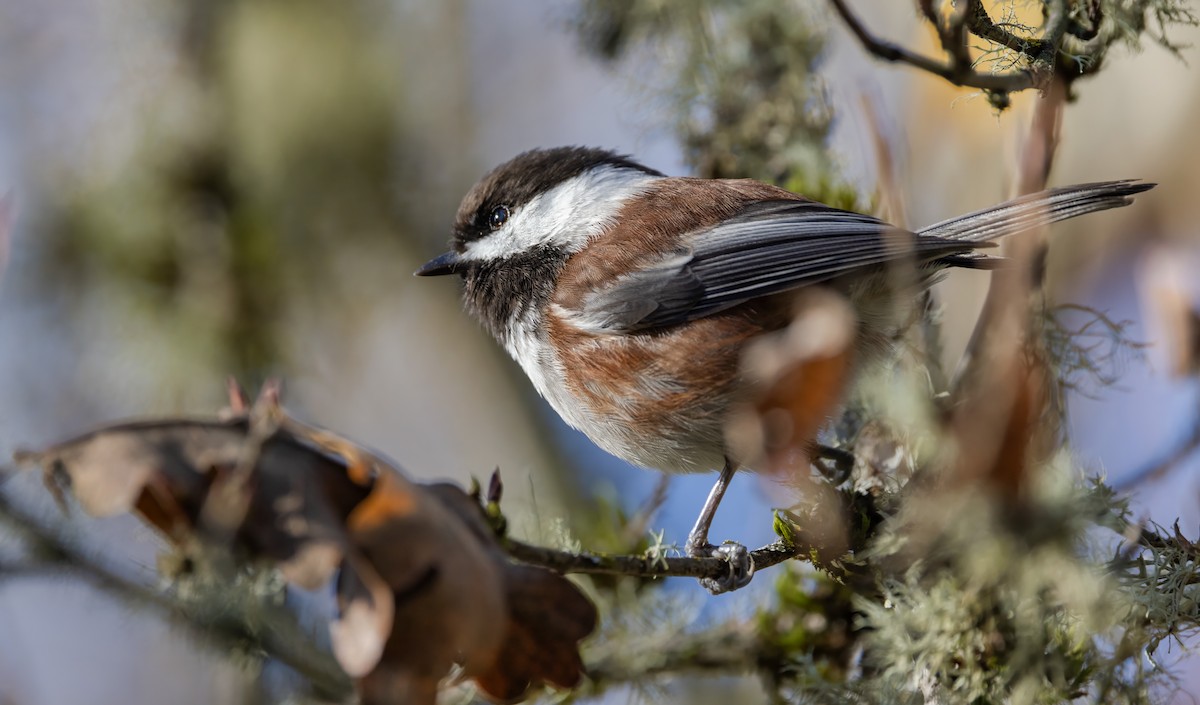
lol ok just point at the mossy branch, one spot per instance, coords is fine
(1071, 42)
(648, 566)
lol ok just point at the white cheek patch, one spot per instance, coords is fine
(566, 216)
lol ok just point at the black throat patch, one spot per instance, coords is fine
(498, 292)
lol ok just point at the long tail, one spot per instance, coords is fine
(1036, 210)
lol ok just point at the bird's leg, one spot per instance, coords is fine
(697, 542)
(741, 567)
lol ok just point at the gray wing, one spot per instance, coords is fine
(772, 246)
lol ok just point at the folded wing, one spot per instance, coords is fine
(770, 247)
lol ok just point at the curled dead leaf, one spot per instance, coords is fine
(442, 581)
(539, 645)
(535, 649)
(801, 373)
(421, 582)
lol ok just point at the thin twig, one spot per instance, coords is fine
(1011, 82)
(981, 25)
(1058, 17)
(646, 566)
(953, 34)
(228, 501)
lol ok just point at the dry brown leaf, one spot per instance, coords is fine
(442, 580)
(421, 582)
(366, 619)
(540, 645)
(167, 466)
(801, 373)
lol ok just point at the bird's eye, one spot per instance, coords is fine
(498, 217)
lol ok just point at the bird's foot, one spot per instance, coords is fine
(735, 555)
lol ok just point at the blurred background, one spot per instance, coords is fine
(209, 187)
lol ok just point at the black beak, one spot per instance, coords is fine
(441, 265)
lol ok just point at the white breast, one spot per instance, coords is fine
(529, 346)
(697, 448)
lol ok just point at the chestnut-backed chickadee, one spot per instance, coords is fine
(627, 296)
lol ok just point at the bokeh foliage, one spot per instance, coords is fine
(740, 80)
(264, 156)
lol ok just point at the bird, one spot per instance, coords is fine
(628, 296)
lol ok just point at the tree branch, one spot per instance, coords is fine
(981, 25)
(647, 566)
(953, 72)
(952, 34)
(1055, 26)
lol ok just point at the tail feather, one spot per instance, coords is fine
(1037, 210)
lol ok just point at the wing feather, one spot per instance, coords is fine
(778, 244)
(770, 247)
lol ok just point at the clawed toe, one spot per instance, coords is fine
(735, 555)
